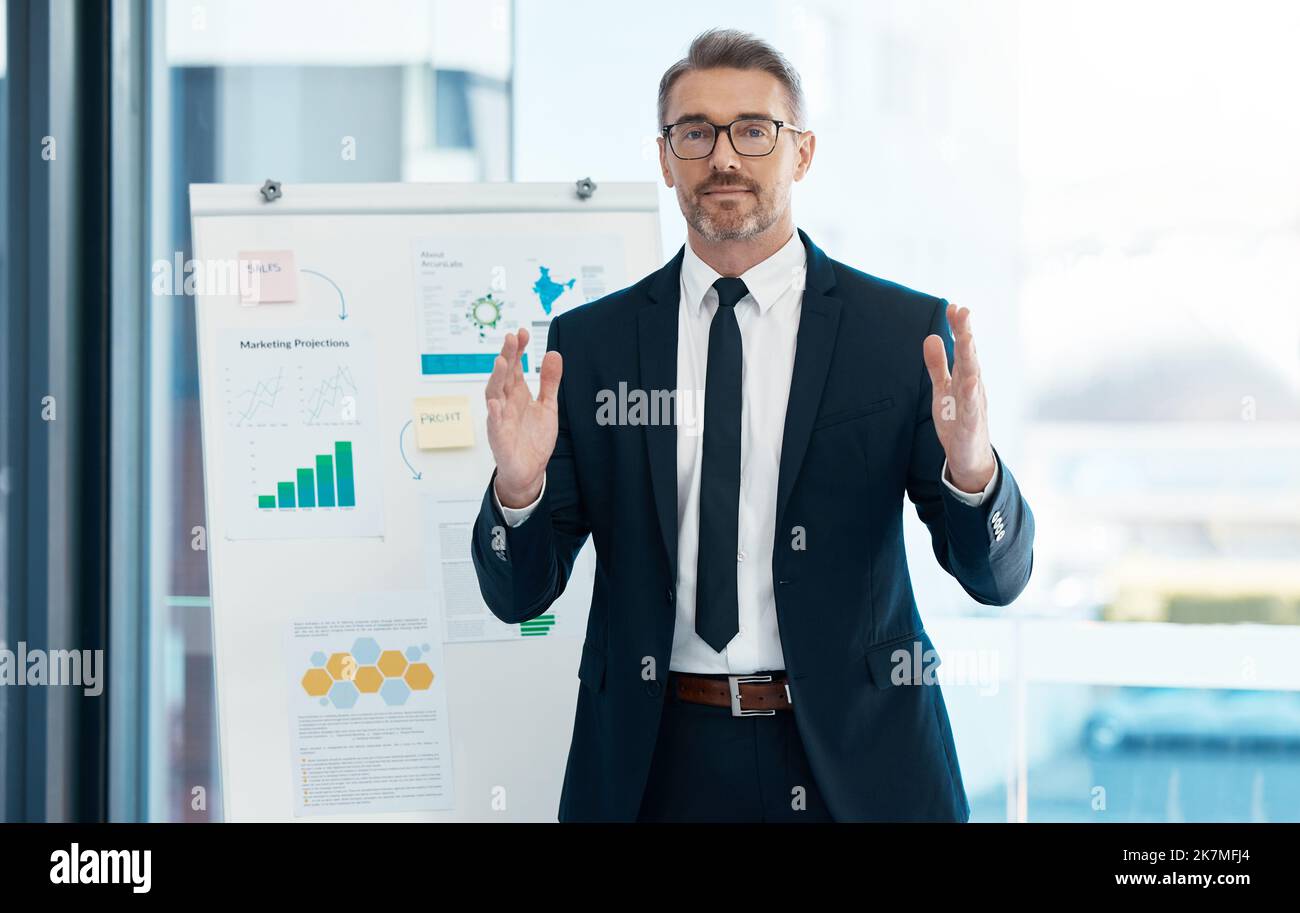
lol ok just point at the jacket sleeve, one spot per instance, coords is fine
(988, 548)
(523, 569)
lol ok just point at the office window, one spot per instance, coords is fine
(299, 91)
(1122, 223)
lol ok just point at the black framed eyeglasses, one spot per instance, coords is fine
(695, 139)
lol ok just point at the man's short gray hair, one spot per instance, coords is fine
(732, 48)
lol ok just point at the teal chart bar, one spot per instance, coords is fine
(343, 466)
(325, 480)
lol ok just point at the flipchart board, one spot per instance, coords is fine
(345, 333)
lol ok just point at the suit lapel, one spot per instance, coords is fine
(819, 321)
(657, 344)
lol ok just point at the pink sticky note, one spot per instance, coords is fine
(267, 277)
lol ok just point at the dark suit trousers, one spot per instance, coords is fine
(710, 766)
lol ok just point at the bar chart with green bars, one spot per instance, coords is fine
(537, 627)
(329, 483)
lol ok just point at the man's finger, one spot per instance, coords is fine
(520, 338)
(936, 361)
(970, 364)
(552, 368)
(509, 349)
(964, 362)
(958, 319)
(496, 385)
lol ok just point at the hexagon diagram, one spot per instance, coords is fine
(419, 676)
(340, 679)
(344, 695)
(342, 667)
(368, 680)
(392, 663)
(394, 692)
(366, 650)
(317, 682)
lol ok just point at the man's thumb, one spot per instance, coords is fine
(936, 360)
(552, 368)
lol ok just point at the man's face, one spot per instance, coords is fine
(727, 196)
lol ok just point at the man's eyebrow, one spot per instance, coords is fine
(695, 115)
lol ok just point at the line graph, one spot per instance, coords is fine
(333, 400)
(256, 404)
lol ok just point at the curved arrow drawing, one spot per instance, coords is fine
(401, 438)
(343, 305)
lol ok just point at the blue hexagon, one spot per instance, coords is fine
(425, 647)
(343, 695)
(394, 691)
(366, 651)
(413, 654)
(324, 701)
(318, 658)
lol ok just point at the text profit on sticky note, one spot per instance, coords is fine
(442, 422)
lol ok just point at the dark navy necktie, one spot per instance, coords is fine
(717, 606)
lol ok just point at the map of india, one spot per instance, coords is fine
(548, 289)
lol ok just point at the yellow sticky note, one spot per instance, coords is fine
(442, 422)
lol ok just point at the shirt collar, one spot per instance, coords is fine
(766, 280)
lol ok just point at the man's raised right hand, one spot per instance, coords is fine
(521, 430)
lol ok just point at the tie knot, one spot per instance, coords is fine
(730, 290)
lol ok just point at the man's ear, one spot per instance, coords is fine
(807, 146)
(663, 160)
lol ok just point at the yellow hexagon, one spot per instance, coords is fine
(368, 680)
(419, 676)
(392, 663)
(342, 667)
(317, 682)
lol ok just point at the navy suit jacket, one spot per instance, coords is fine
(858, 435)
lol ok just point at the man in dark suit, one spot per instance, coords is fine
(754, 651)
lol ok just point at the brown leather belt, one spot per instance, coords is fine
(747, 695)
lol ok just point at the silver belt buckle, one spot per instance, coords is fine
(735, 681)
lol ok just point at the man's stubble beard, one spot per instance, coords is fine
(763, 216)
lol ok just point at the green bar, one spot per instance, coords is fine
(286, 494)
(266, 501)
(343, 463)
(306, 488)
(324, 480)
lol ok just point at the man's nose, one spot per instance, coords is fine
(724, 153)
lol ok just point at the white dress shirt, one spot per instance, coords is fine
(768, 317)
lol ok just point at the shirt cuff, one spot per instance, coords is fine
(515, 516)
(966, 497)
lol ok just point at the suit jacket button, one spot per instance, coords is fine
(670, 595)
(652, 687)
